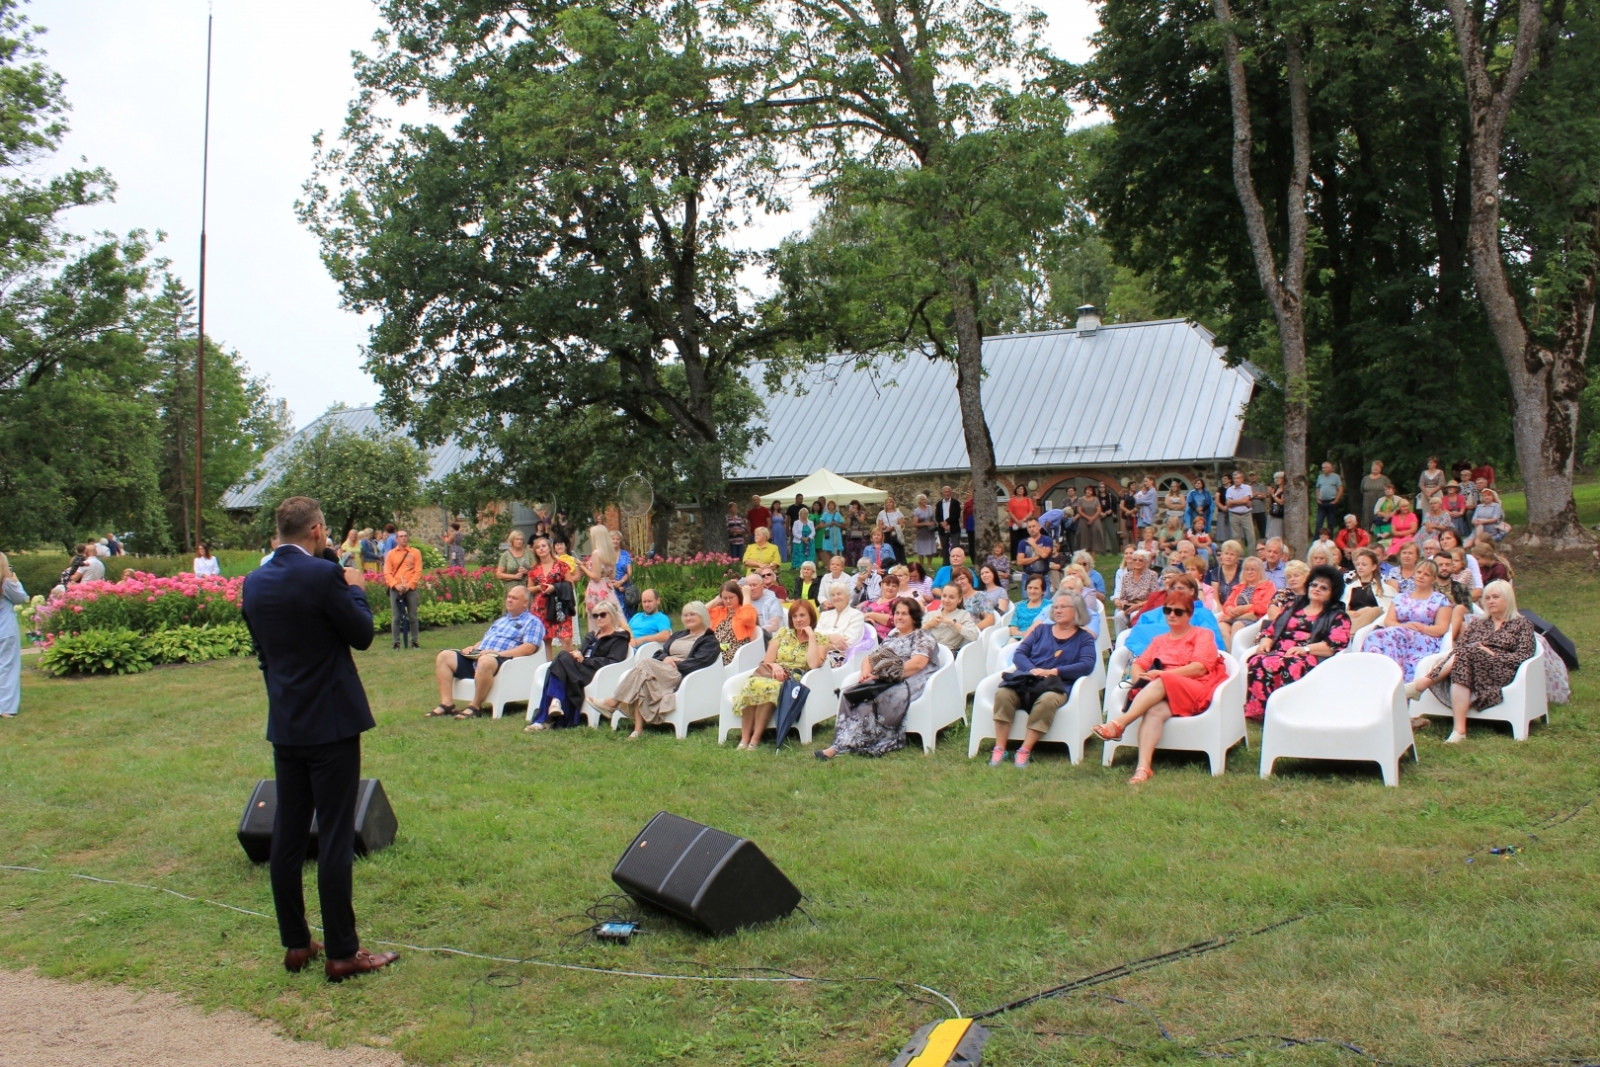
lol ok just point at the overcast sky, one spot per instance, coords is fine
(135, 73)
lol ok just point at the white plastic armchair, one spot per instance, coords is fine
(604, 684)
(1351, 707)
(940, 704)
(970, 664)
(824, 682)
(1102, 640)
(727, 718)
(1214, 731)
(514, 681)
(1074, 721)
(1245, 640)
(1521, 702)
(1359, 638)
(994, 640)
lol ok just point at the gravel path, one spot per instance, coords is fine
(49, 1023)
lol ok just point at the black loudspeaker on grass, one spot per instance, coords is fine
(707, 878)
(375, 821)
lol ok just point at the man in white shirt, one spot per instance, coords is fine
(769, 606)
(1238, 500)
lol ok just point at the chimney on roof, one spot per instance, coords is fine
(1088, 320)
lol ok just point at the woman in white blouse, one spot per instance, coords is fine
(839, 629)
(205, 563)
(890, 520)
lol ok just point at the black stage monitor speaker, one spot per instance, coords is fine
(375, 821)
(705, 877)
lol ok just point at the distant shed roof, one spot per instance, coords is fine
(442, 460)
(1132, 393)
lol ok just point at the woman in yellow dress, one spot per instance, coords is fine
(761, 552)
(793, 650)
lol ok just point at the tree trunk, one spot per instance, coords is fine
(1545, 381)
(974, 425)
(661, 526)
(1284, 292)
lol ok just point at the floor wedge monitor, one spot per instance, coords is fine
(707, 878)
(375, 821)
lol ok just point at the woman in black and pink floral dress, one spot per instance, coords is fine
(1310, 630)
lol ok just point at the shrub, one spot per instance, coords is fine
(432, 558)
(197, 644)
(144, 603)
(97, 652)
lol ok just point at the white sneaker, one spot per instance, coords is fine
(1455, 738)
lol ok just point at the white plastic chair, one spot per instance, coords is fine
(604, 684)
(940, 704)
(1074, 722)
(994, 640)
(1359, 638)
(513, 681)
(970, 664)
(727, 719)
(1245, 639)
(1521, 702)
(1102, 641)
(1213, 731)
(1351, 707)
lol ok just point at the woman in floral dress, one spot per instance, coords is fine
(794, 650)
(1486, 660)
(1313, 628)
(1415, 624)
(877, 727)
(546, 571)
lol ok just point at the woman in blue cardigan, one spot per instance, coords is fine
(1047, 662)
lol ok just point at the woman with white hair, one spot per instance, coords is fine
(11, 592)
(840, 627)
(649, 691)
(600, 568)
(1485, 660)
(836, 576)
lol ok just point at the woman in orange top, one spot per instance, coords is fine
(1180, 670)
(733, 620)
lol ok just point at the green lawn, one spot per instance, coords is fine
(985, 884)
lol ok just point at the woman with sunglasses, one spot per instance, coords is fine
(571, 671)
(1313, 628)
(1176, 675)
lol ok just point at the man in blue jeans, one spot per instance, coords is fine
(1330, 492)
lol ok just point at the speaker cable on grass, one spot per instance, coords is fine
(781, 978)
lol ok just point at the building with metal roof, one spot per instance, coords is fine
(442, 459)
(1144, 395)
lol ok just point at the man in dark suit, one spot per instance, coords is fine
(947, 521)
(306, 614)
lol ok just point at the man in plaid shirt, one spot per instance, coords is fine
(516, 633)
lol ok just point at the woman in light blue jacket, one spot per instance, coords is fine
(11, 592)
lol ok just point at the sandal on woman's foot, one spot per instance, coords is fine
(822, 754)
(1108, 731)
(440, 711)
(1141, 776)
(998, 756)
(534, 727)
(1455, 738)
(1418, 721)
(471, 711)
(633, 737)
(556, 711)
(740, 747)
(1022, 757)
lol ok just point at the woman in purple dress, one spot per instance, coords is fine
(1416, 622)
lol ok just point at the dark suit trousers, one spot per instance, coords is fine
(320, 779)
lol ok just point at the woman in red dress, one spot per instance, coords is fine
(546, 571)
(1189, 672)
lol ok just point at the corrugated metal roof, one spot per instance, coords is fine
(1132, 393)
(442, 460)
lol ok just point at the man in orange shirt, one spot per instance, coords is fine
(402, 573)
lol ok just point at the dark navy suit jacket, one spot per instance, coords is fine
(305, 619)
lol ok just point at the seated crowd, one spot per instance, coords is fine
(1402, 579)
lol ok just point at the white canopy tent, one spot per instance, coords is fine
(823, 483)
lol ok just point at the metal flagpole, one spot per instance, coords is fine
(200, 343)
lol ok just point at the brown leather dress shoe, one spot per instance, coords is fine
(363, 962)
(295, 959)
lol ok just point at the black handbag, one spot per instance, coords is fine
(560, 604)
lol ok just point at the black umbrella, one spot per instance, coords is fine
(791, 702)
